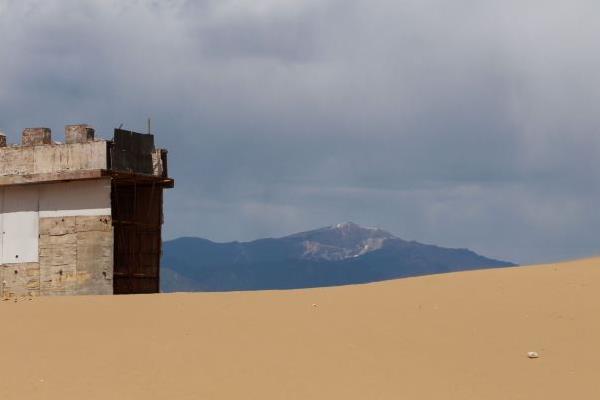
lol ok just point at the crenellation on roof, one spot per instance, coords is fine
(83, 156)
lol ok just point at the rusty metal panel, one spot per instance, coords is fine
(148, 205)
(132, 152)
(137, 219)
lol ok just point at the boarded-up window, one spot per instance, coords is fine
(19, 221)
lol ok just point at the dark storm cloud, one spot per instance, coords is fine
(470, 124)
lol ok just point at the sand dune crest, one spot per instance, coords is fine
(456, 336)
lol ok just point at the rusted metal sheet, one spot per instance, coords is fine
(137, 220)
(134, 178)
(132, 152)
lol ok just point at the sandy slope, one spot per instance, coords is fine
(455, 336)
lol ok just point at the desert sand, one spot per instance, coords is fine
(456, 336)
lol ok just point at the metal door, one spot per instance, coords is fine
(137, 220)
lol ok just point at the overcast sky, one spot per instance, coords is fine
(461, 123)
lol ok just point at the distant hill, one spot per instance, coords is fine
(336, 255)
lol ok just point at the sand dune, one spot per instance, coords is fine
(456, 336)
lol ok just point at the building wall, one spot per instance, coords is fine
(76, 255)
(56, 239)
(53, 158)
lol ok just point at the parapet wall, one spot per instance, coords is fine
(53, 158)
(39, 159)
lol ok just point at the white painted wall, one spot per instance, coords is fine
(19, 223)
(22, 206)
(75, 198)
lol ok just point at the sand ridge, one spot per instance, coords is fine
(454, 336)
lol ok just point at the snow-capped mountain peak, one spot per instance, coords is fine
(341, 241)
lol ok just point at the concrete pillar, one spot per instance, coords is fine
(80, 133)
(36, 136)
(2, 139)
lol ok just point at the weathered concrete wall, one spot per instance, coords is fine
(36, 136)
(18, 280)
(58, 256)
(76, 255)
(54, 158)
(16, 160)
(69, 157)
(80, 133)
(94, 255)
(158, 169)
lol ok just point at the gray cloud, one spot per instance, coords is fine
(469, 124)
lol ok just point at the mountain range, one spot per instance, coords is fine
(335, 255)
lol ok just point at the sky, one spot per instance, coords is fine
(465, 124)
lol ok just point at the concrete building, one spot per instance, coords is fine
(83, 217)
